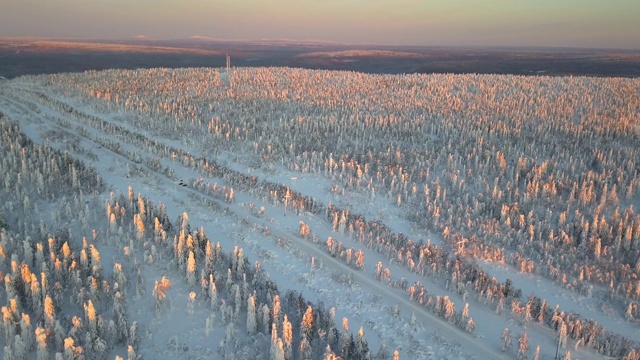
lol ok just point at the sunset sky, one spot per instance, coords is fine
(575, 23)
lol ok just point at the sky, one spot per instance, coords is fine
(566, 23)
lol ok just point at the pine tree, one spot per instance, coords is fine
(536, 355)
(523, 341)
(69, 349)
(275, 313)
(100, 348)
(362, 347)
(449, 308)
(470, 327)
(306, 327)
(191, 269)
(274, 334)
(329, 354)
(131, 353)
(303, 230)
(59, 336)
(8, 323)
(562, 334)
(345, 337)
(287, 336)
(209, 324)
(119, 277)
(160, 292)
(213, 293)
(396, 355)
(251, 316)
(265, 318)
(133, 338)
(96, 263)
(42, 352)
(506, 339)
(305, 352)
(91, 318)
(8, 353)
(76, 329)
(383, 353)
(229, 333)
(235, 289)
(120, 317)
(49, 313)
(19, 348)
(209, 260)
(277, 351)
(191, 305)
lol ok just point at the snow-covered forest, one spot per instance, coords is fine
(446, 215)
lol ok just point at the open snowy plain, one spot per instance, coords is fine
(445, 216)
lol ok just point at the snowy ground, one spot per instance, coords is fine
(292, 262)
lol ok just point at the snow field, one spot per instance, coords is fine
(336, 186)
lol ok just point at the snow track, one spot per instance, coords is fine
(47, 125)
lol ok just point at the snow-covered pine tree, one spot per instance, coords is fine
(76, 329)
(133, 337)
(523, 345)
(191, 305)
(160, 293)
(362, 347)
(120, 317)
(304, 351)
(49, 313)
(275, 311)
(536, 355)
(131, 353)
(59, 336)
(99, 348)
(345, 336)
(329, 354)
(119, 277)
(69, 349)
(213, 293)
(237, 295)
(209, 260)
(19, 348)
(8, 353)
(251, 316)
(8, 324)
(306, 326)
(42, 352)
(506, 339)
(265, 318)
(277, 350)
(91, 318)
(396, 355)
(191, 269)
(287, 336)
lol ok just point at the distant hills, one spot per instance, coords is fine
(21, 56)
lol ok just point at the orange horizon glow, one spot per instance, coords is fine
(572, 23)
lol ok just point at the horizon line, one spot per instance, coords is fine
(284, 40)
